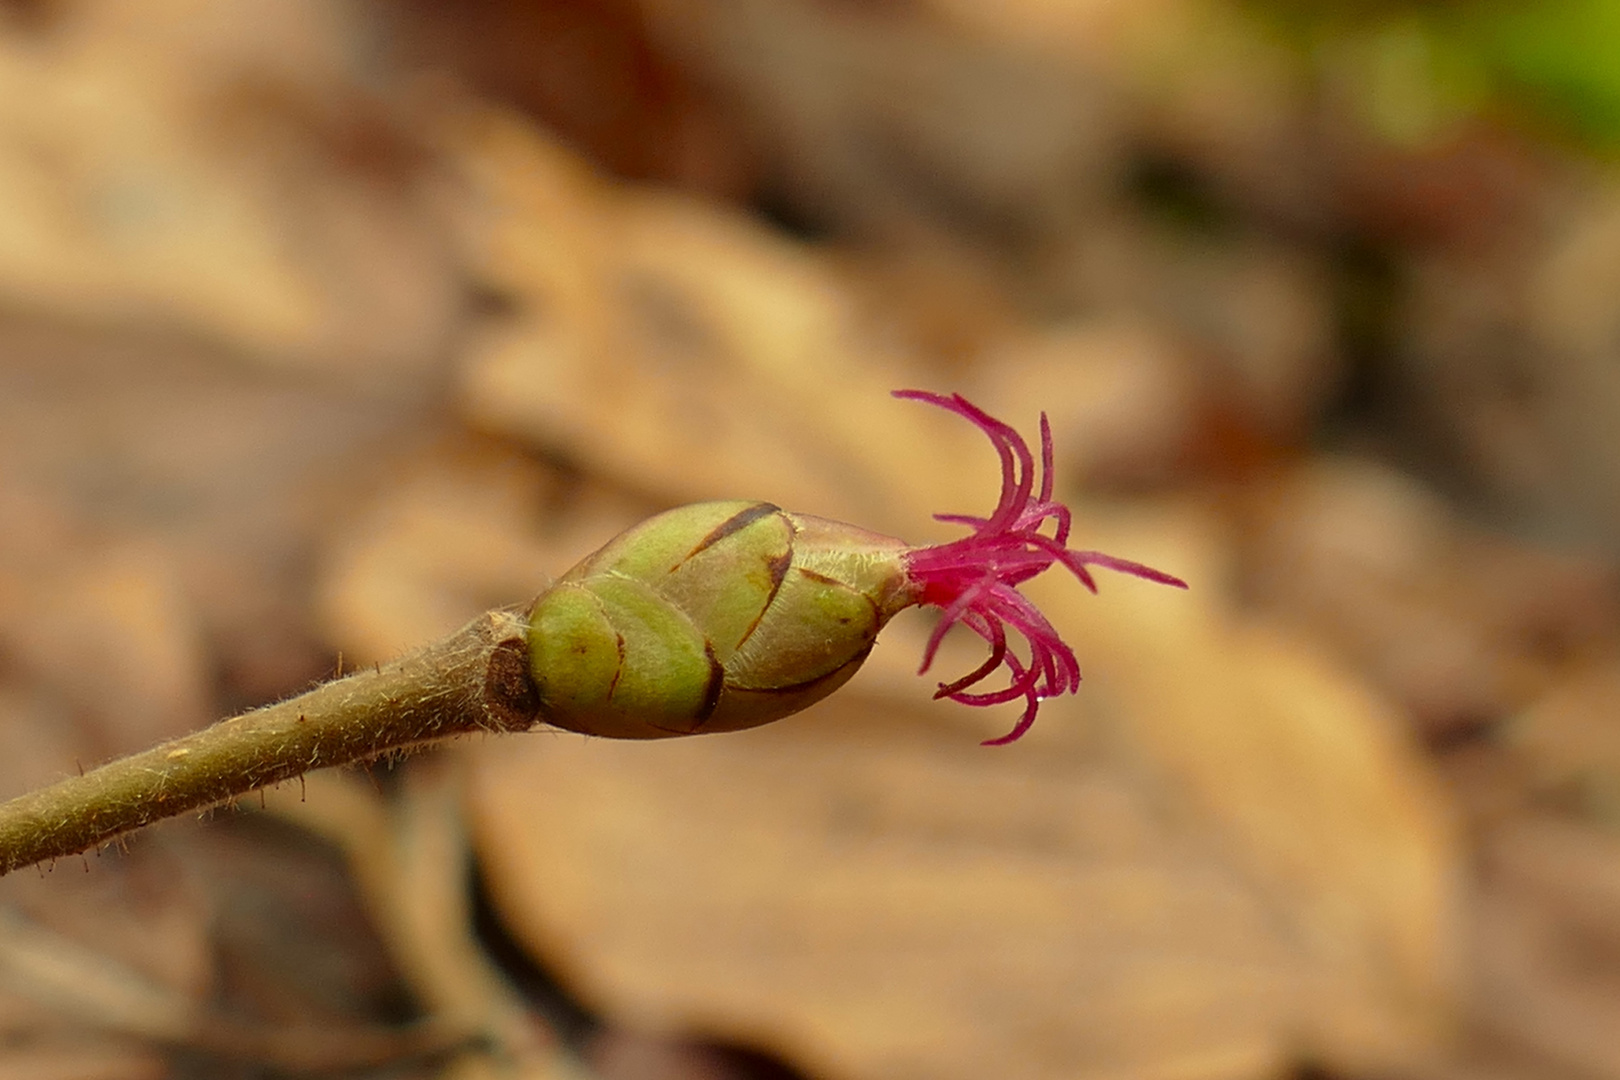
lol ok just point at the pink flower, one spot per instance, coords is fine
(975, 580)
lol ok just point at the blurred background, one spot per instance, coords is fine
(326, 324)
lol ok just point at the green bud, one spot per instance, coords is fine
(712, 617)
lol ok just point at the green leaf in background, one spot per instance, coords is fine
(1410, 70)
(1559, 56)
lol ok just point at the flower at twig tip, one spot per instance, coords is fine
(974, 580)
(721, 616)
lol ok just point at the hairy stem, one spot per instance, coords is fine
(474, 680)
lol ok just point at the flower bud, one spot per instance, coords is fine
(712, 617)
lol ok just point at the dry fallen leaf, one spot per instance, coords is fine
(221, 169)
(1123, 398)
(1306, 773)
(97, 966)
(1545, 926)
(891, 121)
(409, 858)
(879, 900)
(1460, 626)
(685, 350)
(159, 507)
(1568, 743)
(463, 527)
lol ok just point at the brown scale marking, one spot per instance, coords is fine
(711, 693)
(735, 523)
(825, 580)
(778, 568)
